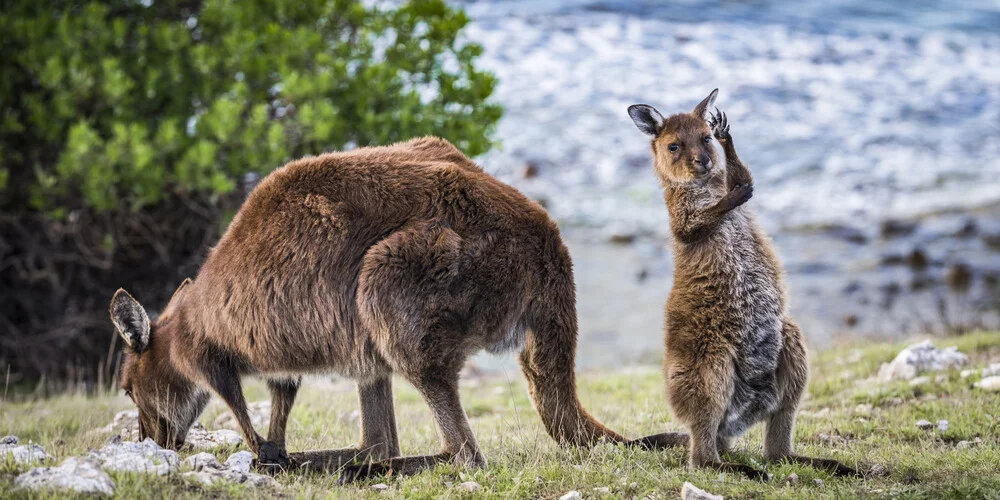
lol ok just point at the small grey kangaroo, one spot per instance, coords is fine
(733, 356)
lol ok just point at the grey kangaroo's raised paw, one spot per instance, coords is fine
(719, 124)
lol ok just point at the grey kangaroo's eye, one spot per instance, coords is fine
(673, 147)
(708, 139)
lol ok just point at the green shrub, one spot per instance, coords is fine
(125, 126)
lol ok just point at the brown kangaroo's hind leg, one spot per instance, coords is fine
(439, 387)
(283, 393)
(793, 373)
(379, 440)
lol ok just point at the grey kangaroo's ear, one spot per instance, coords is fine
(705, 104)
(647, 118)
(131, 320)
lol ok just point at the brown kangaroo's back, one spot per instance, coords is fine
(406, 259)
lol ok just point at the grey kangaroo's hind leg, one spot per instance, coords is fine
(439, 387)
(793, 373)
(378, 432)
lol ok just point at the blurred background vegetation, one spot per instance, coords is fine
(130, 131)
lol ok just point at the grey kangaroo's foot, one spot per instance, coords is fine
(748, 471)
(401, 466)
(660, 441)
(833, 466)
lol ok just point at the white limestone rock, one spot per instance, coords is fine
(128, 456)
(692, 492)
(81, 475)
(921, 358)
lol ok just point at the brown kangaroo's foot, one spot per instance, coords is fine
(401, 466)
(833, 466)
(332, 460)
(271, 458)
(660, 441)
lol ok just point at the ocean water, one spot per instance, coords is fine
(849, 113)
(846, 111)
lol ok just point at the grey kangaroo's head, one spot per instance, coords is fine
(682, 143)
(168, 402)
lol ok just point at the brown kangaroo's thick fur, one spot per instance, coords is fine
(733, 356)
(402, 259)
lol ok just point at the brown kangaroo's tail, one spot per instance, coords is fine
(548, 363)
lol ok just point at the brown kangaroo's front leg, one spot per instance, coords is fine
(440, 390)
(379, 440)
(225, 381)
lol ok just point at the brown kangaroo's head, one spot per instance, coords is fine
(168, 401)
(682, 143)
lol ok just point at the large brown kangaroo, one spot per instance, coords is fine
(402, 259)
(733, 356)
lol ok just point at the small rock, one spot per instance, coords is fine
(792, 479)
(864, 409)
(241, 461)
(917, 259)
(959, 278)
(203, 460)
(921, 358)
(125, 424)
(571, 495)
(129, 456)
(989, 371)
(380, 487)
(470, 486)
(942, 425)
(878, 470)
(259, 412)
(530, 170)
(940, 379)
(603, 489)
(962, 445)
(621, 236)
(77, 474)
(967, 373)
(921, 380)
(209, 477)
(201, 439)
(893, 228)
(21, 454)
(831, 438)
(818, 483)
(924, 425)
(692, 492)
(989, 383)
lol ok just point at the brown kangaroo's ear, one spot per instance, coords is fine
(131, 320)
(705, 104)
(647, 118)
(186, 282)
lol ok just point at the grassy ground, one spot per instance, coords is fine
(525, 463)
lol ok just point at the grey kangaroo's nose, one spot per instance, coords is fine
(702, 160)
